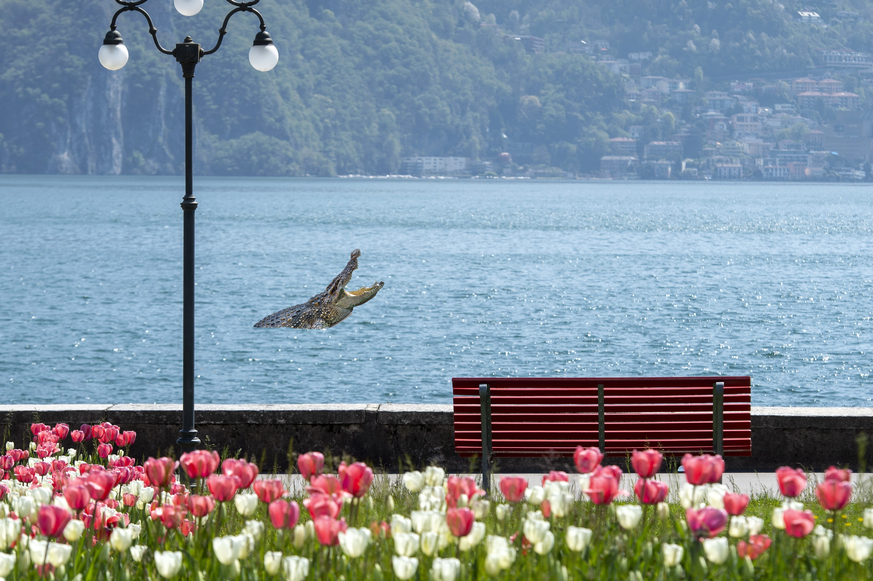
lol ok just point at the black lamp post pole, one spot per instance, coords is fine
(188, 54)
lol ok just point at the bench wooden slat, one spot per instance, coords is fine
(516, 411)
(592, 391)
(614, 400)
(613, 418)
(612, 382)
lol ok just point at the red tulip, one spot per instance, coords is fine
(61, 430)
(268, 490)
(6, 462)
(603, 486)
(310, 464)
(757, 544)
(651, 491)
(707, 521)
(97, 431)
(798, 524)
(284, 514)
(791, 481)
(35, 429)
(77, 496)
(52, 520)
(187, 527)
(356, 479)
(587, 459)
(200, 463)
(646, 463)
(200, 506)
(456, 486)
(460, 521)
(104, 450)
(243, 471)
(223, 488)
(77, 436)
(513, 488)
(327, 530)
(735, 504)
(129, 438)
(160, 472)
(86, 431)
(833, 494)
(325, 484)
(100, 484)
(4, 490)
(320, 505)
(703, 469)
(834, 473)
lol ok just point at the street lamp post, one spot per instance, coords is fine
(263, 56)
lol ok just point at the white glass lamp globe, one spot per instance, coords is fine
(113, 56)
(264, 57)
(188, 7)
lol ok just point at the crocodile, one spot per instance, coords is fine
(328, 308)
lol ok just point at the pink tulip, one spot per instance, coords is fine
(646, 463)
(77, 436)
(513, 488)
(100, 484)
(706, 522)
(200, 463)
(97, 431)
(24, 474)
(325, 484)
(284, 514)
(603, 486)
(244, 471)
(77, 496)
(42, 468)
(833, 494)
(35, 429)
(587, 459)
(327, 530)
(61, 430)
(735, 504)
(104, 450)
(310, 464)
(757, 544)
(798, 524)
(651, 491)
(460, 521)
(456, 486)
(159, 472)
(268, 490)
(703, 469)
(320, 505)
(791, 481)
(171, 516)
(6, 462)
(356, 479)
(556, 476)
(834, 473)
(223, 488)
(200, 506)
(52, 520)
(109, 434)
(86, 431)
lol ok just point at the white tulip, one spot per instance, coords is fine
(57, 555)
(133, 487)
(272, 562)
(121, 539)
(354, 541)
(821, 545)
(168, 563)
(777, 519)
(858, 548)
(147, 494)
(404, 567)
(429, 542)
(228, 549)
(434, 476)
(405, 544)
(821, 531)
(535, 495)
(245, 503)
(413, 481)
(73, 531)
(715, 495)
(717, 550)
(137, 552)
(446, 536)
(299, 536)
(578, 538)
(295, 568)
(739, 527)
(24, 506)
(445, 569)
(691, 496)
(663, 510)
(502, 510)
(481, 508)
(400, 524)
(477, 533)
(61, 502)
(135, 530)
(535, 530)
(672, 554)
(546, 544)
(10, 531)
(10, 446)
(755, 524)
(7, 564)
(500, 554)
(255, 528)
(868, 518)
(628, 515)
(248, 545)
(424, 520)
(40, 495)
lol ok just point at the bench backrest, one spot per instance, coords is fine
(551, 416)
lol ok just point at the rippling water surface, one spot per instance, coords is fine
(481, 278)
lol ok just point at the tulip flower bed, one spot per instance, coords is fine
(87, 514)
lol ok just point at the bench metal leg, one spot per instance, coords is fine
(601, 418)
(485, 407)
(718, 418)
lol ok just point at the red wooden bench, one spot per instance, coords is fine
(535, 417)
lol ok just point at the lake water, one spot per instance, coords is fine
(482, 278)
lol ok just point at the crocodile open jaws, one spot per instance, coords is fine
(328, 308)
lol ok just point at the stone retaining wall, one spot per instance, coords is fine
(387, 435)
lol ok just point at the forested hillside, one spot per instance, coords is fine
(362, 83)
